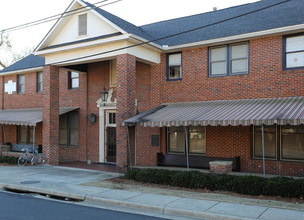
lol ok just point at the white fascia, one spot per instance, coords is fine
(82, 45)
(283, 30)
(35, 69)
(138, 39)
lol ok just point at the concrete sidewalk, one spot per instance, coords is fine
(65, 182)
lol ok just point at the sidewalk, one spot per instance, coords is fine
(65, 182)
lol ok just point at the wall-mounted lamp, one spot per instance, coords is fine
(104, 95)
(92, 117)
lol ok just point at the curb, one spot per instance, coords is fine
(152, 208)
(29, 189)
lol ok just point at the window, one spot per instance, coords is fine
(111, 118)
(196, 140)
(292, 142)
(39, 81)
(82, 24)
(113, 73)
(270, 142)
(20, 84)
(229, 59)
(25, 135)
(174, 66)
(73, 80)
(294, 52)
(68, 129)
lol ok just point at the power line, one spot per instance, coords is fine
(172, 35)
(57, 16)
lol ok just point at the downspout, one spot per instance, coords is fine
(263, 147)
(34, 139)
(187, 155)
(129, 147)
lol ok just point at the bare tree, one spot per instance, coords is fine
(11, 56)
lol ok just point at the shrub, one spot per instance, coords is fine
(248, 185)
(8, 159)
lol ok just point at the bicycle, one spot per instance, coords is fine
(35, 158)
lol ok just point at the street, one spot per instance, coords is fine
(14, 206)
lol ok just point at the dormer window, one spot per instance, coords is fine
(82, 24)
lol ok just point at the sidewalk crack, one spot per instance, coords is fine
(213, 206)
(262, 213)
(170, 203)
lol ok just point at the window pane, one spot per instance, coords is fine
(176, 140)
(112, 118)
(175, 59)
(75, 83)
(175, 72)
(218, 68)
(295, 59)
(63, 120)
(73, 120)
(218, 54)
(269, 142)
(21, 79)
(239, 66)
(293, 142)
(74, 75)
(294, 43)
(74, 137)
(21, 89)
(197, 140)
(63, 137)
(22, 134)
(239, 51)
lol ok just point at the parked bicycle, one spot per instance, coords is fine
(35, 158)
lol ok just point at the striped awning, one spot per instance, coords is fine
(27, 117)
(244, 112)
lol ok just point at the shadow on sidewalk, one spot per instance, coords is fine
(93, 166)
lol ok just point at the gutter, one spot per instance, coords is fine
(240, 37)
(39, 68)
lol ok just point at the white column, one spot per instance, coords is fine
(101, 136)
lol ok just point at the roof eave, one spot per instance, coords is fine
(28, 70)
(281, 30)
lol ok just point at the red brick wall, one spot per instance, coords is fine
(30, 99)
(126, 95)
(74, 98)
(266, 79)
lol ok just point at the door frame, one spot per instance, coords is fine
(105, 129)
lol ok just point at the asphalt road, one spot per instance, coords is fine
(27, 207)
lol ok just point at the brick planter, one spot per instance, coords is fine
(222, 167)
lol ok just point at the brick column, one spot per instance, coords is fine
(126, 81)
(50, 130)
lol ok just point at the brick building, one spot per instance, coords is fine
(222, 85)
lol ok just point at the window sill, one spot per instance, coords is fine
(170, 80)
(237, 74)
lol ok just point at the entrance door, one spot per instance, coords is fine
(111, 144)
(111, 136)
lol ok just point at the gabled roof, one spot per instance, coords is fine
(286, 14)
(123, 24)
(31, 61)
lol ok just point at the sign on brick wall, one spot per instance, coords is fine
(10, 87)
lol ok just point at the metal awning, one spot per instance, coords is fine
(28, 117)
(244, 112)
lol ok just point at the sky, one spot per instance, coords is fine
(138, 12)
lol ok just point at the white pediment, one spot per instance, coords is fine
(66, 28)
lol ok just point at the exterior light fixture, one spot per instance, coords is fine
(92, 117)
(104, 95)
